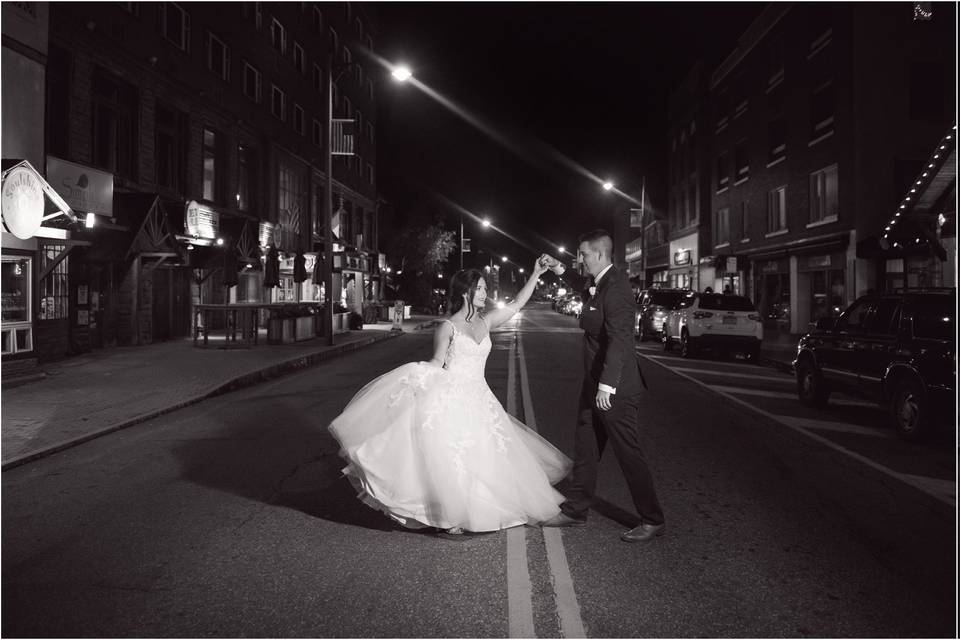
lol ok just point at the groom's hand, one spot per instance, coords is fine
(603, 400)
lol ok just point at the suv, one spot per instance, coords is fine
(652, 308)
(714, 320)
(897, 349)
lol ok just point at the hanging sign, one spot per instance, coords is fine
(22, 203)
(83, 188)
(200, 221)
(681, 257)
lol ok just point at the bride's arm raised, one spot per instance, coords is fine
(497, 317)
(441, 342)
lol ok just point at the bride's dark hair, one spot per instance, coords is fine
(464, 282)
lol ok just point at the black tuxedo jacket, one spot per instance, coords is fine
(607, 317)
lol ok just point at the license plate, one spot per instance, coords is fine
(729, 320)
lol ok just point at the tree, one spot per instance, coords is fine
(422, 251)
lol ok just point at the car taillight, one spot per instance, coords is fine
(754, 317)
(698, 315)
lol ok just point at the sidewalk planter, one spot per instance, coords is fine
(295, 322)
(340, 323)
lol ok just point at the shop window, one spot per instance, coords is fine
(721, 227)
(822, 105)
(58, 81)
(211, 160)
(777, 210)
(286, 292)
(777, 139)
(723, 171)
(298, 124)
(175, 25)
(54, 292)
(827, 294)
(252, 82)
(299, 59)
(773, 300)
(741, 161)
(218, 57)
(278, 103)
(115, 125)
(17, 328)
(278, 36)
(170, 147)
(824, 199)
(248, 174)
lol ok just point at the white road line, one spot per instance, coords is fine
(902, 477)
(780, 378)
(731, 363)
(565, 597)
(829, 425)
(519, 588)
(748, 392)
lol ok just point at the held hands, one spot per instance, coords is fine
(548, 262)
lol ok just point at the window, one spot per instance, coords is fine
(316, 133)
(777, 210)
(170, 147)
(358, 25)
(723, 172)
(252, 82)
(17, 276)
(369, 173)
(359, 165)
(317, 20)
(928, 89)
(822, 103)
(334, 42)
(175, 25)
(370, 88)
(744, 222)
(210, 178)
(278, 103)
(115, 125)
(691, 204)
(253, 11)
(298, 119)
(819, 26)
(370, 44)
(218, 56)
(777, 139)
(358, 73)
(278, 36)
(826, 294)
(291, 194)
(57, 112)
(824, 201)
(298, 58)
(741, 161)
(317, 78)
(347, 58)
(247, 177)
(358, 125)
(347, 107)
(721, 227)
(370, 131)
(54, 290)
(132, 8)
(776, 61)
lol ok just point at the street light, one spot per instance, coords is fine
(401, 73)
(608, 186)
(486, 222)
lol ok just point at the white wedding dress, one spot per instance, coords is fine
(433, 446)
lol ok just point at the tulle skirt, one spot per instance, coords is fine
(430, 447)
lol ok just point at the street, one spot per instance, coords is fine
(230, 518)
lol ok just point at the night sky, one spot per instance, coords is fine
(587, 80)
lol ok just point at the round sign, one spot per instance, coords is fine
(22, 203)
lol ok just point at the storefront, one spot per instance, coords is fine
(39, 298)
(684, 263)
(821, 286)
(772, 292)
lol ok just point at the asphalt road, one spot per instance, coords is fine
(230, 518)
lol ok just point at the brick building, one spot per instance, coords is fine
(208, 121)
(808, 134)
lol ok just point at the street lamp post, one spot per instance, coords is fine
(609, 186)
(328, 207)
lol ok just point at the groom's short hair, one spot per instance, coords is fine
(599, 237)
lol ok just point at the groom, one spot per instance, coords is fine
(609, 403)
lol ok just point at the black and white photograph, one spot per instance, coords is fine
(478, 319)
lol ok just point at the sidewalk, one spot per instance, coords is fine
(87, 396)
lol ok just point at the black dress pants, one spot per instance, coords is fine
(619, 425)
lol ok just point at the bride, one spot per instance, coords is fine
(430, 445)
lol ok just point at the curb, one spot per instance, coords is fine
(245, 380)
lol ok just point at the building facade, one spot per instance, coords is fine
(208, 119)
(816, 126)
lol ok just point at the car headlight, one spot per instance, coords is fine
(500, 304)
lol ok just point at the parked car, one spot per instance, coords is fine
(714, 320)
(652, 308)
(572, 306)
(897, 349)
(559, 301)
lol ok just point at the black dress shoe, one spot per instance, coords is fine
(643, 533)
(563, 520)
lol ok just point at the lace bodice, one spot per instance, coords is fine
(465, 356)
